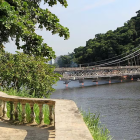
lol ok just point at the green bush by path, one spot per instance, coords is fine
(18, 70)
(98, 131)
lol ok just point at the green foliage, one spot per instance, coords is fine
(98, 131)
(55, 65)
(110, 44)
(18, 20)
(22, 70)
(66, 60)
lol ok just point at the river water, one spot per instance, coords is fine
(118, 104)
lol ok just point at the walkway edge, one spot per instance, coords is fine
(69, 123)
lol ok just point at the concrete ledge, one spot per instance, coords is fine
(69, 124)
(6, 97)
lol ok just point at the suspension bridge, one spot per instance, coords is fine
(125, 65)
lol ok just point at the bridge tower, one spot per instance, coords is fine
(109, 80)
(132, 78)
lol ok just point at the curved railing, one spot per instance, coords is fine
(14, 101)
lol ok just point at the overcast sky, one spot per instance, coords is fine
(85, 18)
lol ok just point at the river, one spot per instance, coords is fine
(118, 104)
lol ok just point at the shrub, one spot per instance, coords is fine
(98, 131)
(22, 70)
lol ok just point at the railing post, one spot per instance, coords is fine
(41, 115)
(1, 108)
(54, 115)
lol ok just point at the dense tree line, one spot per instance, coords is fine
(111, 43)
(66, 60)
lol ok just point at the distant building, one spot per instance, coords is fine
(56, 59)
(51, 62)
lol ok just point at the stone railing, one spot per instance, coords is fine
(15, 101)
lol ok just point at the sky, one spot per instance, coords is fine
(85, 19)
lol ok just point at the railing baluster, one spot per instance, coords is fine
(50, 113)
(15, 111)
(11, 111)
(23, 113)
(54, 115)
(19, 114)
(5, 110)
(41, 115)
(1, 108)
(32, 114)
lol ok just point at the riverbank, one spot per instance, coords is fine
(97, 130)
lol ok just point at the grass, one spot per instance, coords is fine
(98, 131)
(24, 93)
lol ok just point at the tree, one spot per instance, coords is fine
(79, 54)
(18, 20)
(2, 48)
(110, 44)
(22, 70)
(66, 60)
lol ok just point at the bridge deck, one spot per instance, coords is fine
(95, 68)
(95, 72)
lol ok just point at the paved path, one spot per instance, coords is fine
(69, 124)
(21, 132)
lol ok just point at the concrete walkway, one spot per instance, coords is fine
(22, 132)
(69, 124)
